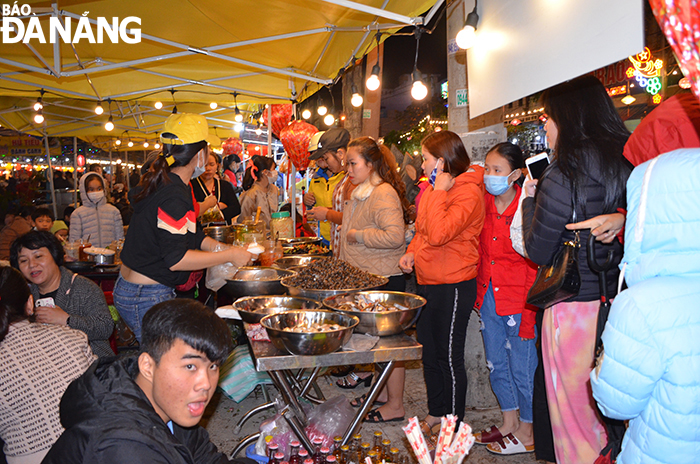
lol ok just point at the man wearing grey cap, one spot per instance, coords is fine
(330, 148)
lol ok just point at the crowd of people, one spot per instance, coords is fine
(457, 237)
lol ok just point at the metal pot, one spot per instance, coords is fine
(255, 281)
(221, 234)
(100, 256)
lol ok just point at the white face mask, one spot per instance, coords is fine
(272, 178)
(95, 197)
(199, 170)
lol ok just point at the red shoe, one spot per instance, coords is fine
(492, 434)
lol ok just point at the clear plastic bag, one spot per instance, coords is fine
(216, 275)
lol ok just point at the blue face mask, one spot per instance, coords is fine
(497, 185)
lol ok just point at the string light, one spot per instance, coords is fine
(145, 144)
(306, 114)
(109, 125)
(118, 142)
(213, 105)
(373, 81)
(329, 120)
(356, 100)
(322, 109)
(39, 117)
(156, 146)
(98, 109)
(238, 116)
(130, 144)
(418, 91)
(467, 36)
(158, 105)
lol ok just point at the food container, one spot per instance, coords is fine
(309, 343)
(254, 281)
(281, 226)
(219, 233)
(288, 262)
(292, 242)
(253, 308)
(322, 294)
(380, 323)
(82, 245)
(100, 256)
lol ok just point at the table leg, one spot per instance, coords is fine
(244, 443)
(292, 411)
(384, 371)
(309, 382)
(297, 427)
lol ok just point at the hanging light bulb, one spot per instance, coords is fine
(145, 144)
(38, 105)
(158, 105)
(118, 142)
(98, 109)
(156, 146)
(238, 117)
(322, 110)
(467, 36)
(306, 114)
(109, 125)
(258, 130)
(356, 100)
(329, 120)
(419, 91)
(130, 144)
(213, 105)
(39, 117)
(373, 81)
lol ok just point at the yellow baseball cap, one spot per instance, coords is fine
(188, 128)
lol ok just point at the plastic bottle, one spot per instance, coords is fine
(281, 226)
(294, 457)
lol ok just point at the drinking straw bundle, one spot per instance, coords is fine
(448, 450)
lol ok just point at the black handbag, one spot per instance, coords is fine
(561, 279)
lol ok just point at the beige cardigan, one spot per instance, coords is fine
(374, 211)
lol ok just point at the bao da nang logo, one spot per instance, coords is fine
(19, 24)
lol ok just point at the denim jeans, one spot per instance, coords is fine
(511, 360)
(134, 300)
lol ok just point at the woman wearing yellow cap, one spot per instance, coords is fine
(164, 242)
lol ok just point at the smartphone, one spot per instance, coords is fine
(45, 303)
(537, 164)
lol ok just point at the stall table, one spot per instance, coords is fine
(384, 355)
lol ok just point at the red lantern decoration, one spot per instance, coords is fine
(295, 139)
(81, 160)
(281, 115)
(232, 146)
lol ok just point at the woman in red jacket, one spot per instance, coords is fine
(445, 253)
(508, 325)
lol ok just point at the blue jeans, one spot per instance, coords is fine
(134, 300)
(511, 360)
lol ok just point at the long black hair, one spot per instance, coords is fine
(157, 174)
(258, 164)
(591, 135)
(14, 293)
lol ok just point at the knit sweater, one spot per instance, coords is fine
(83, 300)
(37, 362)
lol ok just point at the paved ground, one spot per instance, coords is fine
(223, 414)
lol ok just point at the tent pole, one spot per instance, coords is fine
(50, 177)
(75, 172)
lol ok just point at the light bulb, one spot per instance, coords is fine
(98, 109)
(238, 117)
(130, 144)
(258, 131)
(38, 105)
(118, 142)
(109, 125)
(419, 91)
(356, 100)
(322, 110)
(238, 127)
(373, 82)
(306, 114)
(466, 37)
(158, 105)
(213, 105)
(39, 117)
(156, 146)
(145, 144)
(329, 120)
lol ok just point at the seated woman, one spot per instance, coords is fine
(38, 361)
(68, 299)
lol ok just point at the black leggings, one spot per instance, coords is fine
(442, 330)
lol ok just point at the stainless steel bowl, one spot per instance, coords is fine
(309, 343)
(385, 322)
(100, 256)
(321, 294)
(296, 260)
(291, 242)
(255, 281)
(219, 233)
(253, 308)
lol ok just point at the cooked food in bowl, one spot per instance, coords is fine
(313, 332)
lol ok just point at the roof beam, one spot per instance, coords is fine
(378, 12)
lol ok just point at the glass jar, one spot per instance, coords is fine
(281, 226)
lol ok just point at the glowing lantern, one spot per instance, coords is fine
(295, 139)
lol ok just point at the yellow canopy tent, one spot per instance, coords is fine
(191, 53)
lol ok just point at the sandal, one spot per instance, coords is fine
(509, 445)
(490, 435)
(431, 439)
(375, 417)
(353, 380)
(360, 400)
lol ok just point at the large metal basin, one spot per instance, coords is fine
(296, 260)
(292, 242)
(322, 294)
(253, 308)
(255, 281)
(309, 343)
(382, 323)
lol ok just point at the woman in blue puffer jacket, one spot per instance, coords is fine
(649, 373)
(96, 220)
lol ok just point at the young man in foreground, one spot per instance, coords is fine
(146, 409)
